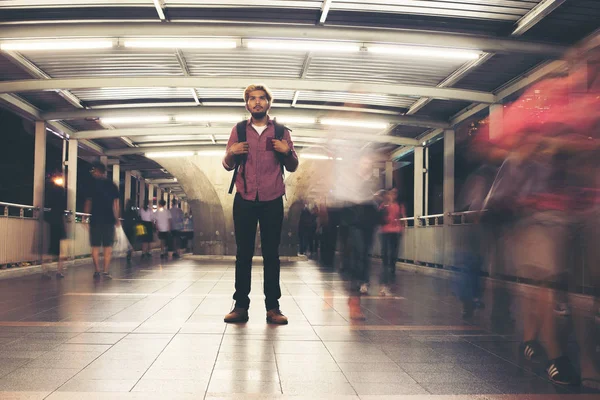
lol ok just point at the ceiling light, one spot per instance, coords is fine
(355, 124)
(52, 45)
(304, 45)
(296, 120)
(150, 119)
(208, 118)
(208, 153)
(170, 154)
(180, 43)
(433, 52)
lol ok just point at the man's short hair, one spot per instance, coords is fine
(162, 203)
(175, 202)
(252, 88)
(98, 166)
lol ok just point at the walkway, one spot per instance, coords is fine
(157, 332)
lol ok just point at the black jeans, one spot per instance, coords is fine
(246, 215)
(389, 255)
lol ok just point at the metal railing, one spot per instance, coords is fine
(22, 241)
(442, 243)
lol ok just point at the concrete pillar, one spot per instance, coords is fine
(72, 187)
(104, 160)
(426, 184)
(142, 193)
(116, 174)
(418, 198)
(496, 120)
(389, 174)
(39, 178)
(151, 195)
(127, 195)
(39, 166)
(449, 142)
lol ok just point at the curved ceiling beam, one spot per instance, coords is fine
(376, 35)
(209, 111)
(32, 85)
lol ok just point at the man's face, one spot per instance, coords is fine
(257, 103)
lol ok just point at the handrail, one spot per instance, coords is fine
(431, 216)
(3, 204)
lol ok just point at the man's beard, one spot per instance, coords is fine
(259, 115)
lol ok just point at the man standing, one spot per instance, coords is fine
(258, 199)
(103, 203)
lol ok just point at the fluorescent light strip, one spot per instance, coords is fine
(431, 52)
(170, 154)
(180, 43)
(355, 124)
(304, 45)
(208, 118)
(55, 45)
(296, 120)
(150, 119)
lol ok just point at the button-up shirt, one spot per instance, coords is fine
(264, 180)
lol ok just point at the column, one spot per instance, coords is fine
(496, 120)
(127, 195)
(389, 174)
(418, 199)
(72, 188)
(39, 179)
(116, 175)
(449, 138)
(151, 195)
(104, 160)
(142, 192)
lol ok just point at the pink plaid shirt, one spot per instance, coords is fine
(263, 170)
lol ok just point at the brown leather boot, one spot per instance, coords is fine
(238, 314)
(275, 316)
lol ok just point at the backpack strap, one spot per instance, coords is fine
(279, 133)
(240, 159)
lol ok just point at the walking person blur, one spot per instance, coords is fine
(131, 219)
(391, 230)
(177, 218)
(103, 203)
(163, 226)
(147, 216)
(55, 201)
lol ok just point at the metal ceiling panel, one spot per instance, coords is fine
(124, 94)
(9, 71)
(571, 22)
(238, 95)
(442, 109)
(356, 98)
(106, 63)
(248, 13)
(408, 131)
(114, 12)
(510, 10)
(46, 101)
(307, 4)
(83, 124)
(497, 71)
(110, 143)
(242, 62)
(370, 68)
(70, 3)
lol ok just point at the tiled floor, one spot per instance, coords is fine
(157, 332)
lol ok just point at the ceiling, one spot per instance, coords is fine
(388, 73)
